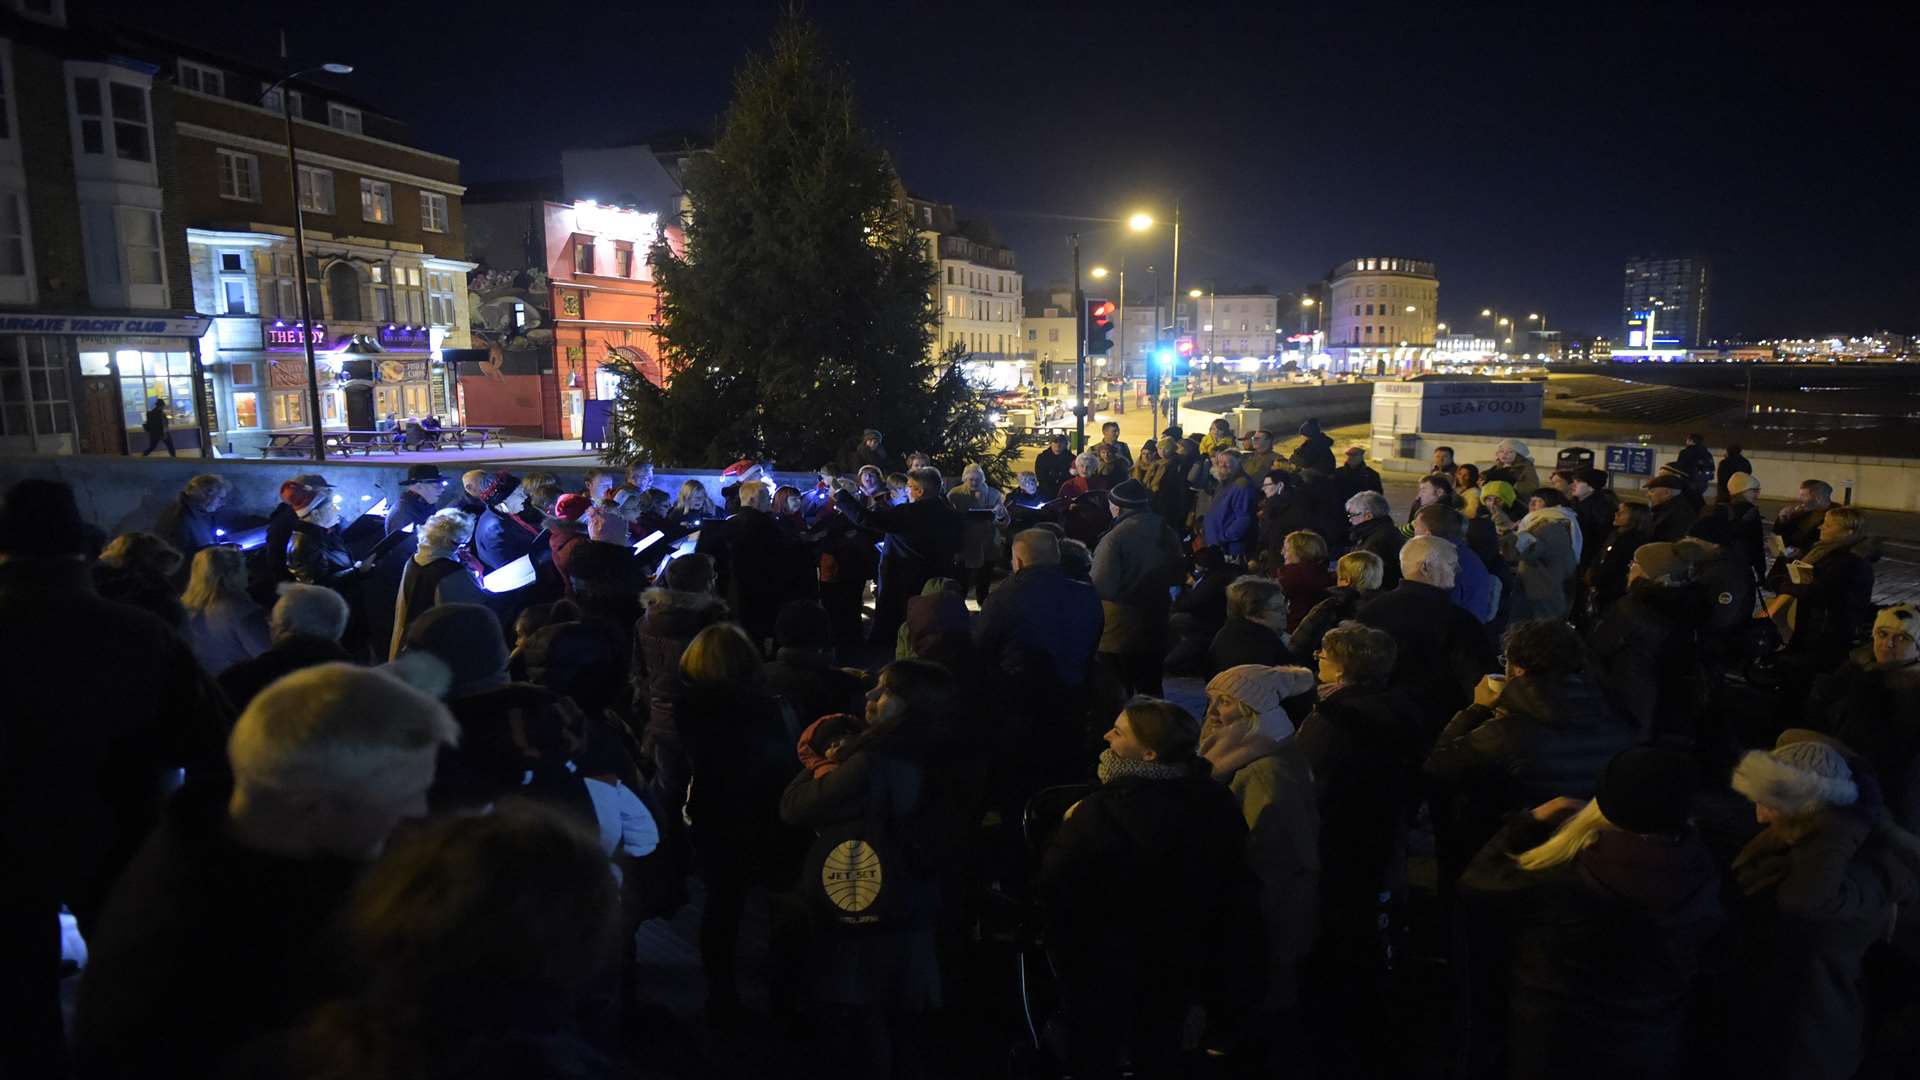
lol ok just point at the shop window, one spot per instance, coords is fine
(376, 201)
(246, 409)
(145, 376)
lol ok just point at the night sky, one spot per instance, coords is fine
(1528, 153)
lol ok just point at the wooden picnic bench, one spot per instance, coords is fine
(477, 435)
(366, 442)
(289, 444)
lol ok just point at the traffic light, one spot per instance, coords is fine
(1183, 347)
(1099, 318)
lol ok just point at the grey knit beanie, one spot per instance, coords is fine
(1796, 778)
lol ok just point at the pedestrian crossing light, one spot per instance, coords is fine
(1183, 351)
(1099, 327)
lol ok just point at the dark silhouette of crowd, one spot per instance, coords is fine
(1533, 780)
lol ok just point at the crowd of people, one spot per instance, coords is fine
(361, 800)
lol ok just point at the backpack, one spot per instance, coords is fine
(857, 873)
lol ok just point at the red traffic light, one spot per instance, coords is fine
(1185, 345)
(1103, 311)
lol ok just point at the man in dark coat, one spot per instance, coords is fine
(1645, 648)
(157, 428)
(267, 566)
(89, 743)
(1315, 452)
(761, 565)
(922, 538)
(1673, 513)
(1137, 563)
(1355, 476)
(1158, 836)
(420, 493)
(305, 629)
(1371, 526)
(1443, 651)
(1733, 462)
(1594, 503)
(218, 933)
(1040, 613)
(1798, 525)
(1053, 466)
(1696, 463)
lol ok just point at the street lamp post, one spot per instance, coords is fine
(300, 246)
(1079, 349)
(1141, 222)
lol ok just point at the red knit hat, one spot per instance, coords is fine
(572, 506)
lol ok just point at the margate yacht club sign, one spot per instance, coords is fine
(96, 324)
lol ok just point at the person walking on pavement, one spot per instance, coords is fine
(157, 428)
(1732, 462)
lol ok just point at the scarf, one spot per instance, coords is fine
(1327, 689)
(1232, 747)
(1114, 767)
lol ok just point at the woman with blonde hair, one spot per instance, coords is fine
(437, 574)
(1357, 575)
(691, 504)
(1605, 907)
(224, 625)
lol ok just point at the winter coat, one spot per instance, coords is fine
(499, 539)
(1281, 807)
(1736, 526)
(1730, 464)
(1382, 537)
(740, 748)
(809, 682)
(1875, 710)
(104, 703)
(1814, 895)
(1697, 463)
(186, 528)
(1304, 585)
(1314, 454)
(978, 539)
(1172, 499)
(671, 619)
(1475, 589)
(1364, 744)
(1037, 613)
(1342, 603)
(1051, 470)
(205, 946)
(1131, 852)
(1601, 952)
(1206, 599)
(1135, 565)
(760, 567)
(267, 567)
(1646, 655)
(426, 585)
(1521, 474)
(1596, 524)
(1671, 520)
(1543, 737)
(286, 656)
(1351, 480)
(1443, 650)
(1242, 641)
(1258, 463)
(1836, 606)
(317, 556)
(1609, 575)
(886, 782)
(1230, 517)
(138, 587)
(921, 539)
(226, 633)
(1543, 562)
(1279, 515)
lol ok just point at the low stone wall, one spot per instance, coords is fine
(1876, 483)
(127, 494)
(1284, 408)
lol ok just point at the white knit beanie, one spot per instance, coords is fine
(1796, 778)
(1519, 448)
(1264, 690)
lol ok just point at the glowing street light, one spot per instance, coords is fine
(1442, 327)
(1098, 272)
(1409, 309)
(1306, 301)
(1194, 293)
(1140, 222)
(1486, 313)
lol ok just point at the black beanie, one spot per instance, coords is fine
(1648, 790)
(467, 638)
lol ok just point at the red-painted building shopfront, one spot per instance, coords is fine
(550, 327)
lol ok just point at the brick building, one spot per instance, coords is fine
(96, 317)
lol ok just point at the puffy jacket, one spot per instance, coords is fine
(1646, 653)
(1543, 562)
(1542, 737)
(1601, 952)
(1230, 517)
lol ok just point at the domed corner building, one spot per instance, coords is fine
(1381, 315)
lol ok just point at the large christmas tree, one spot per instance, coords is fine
(802, 310)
